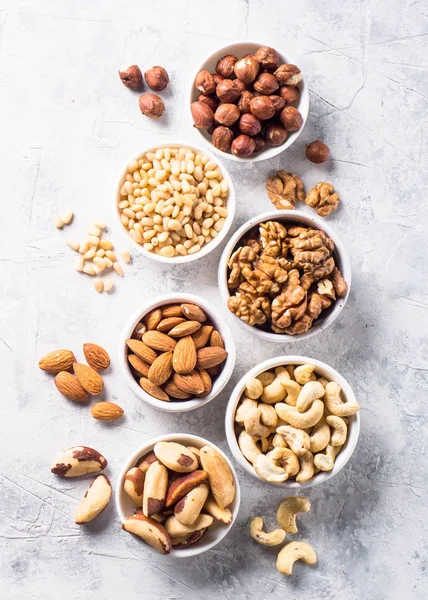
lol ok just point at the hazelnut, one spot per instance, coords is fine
(262, 107)
(203, 116)
(205, 83)
(318, 152)
(244, 101)
(260, 143)
(267, 57)
(275, 135)
(249, 124)
(227, 114)
(131, 77)
(278, 103)
(240, 85)
(156, 78)
(227, 91)
(225, 65)
(151, 105)
(289, 93)
(210, 100)
(266, 84)
(288, 74)
(246, 69)
(291, 118)
(243, 146)
(217, 78)
(222, 138)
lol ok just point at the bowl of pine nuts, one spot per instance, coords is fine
(176, 202)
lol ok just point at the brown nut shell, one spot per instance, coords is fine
(227, 91)
(222, 138)
(131, 77)
(275, 135)
(244, 101)
(247, 69)
(243, 146)
(227, 114)
(203, 116)
(318, 152)
(249, 124)
(267, 57)
(149, 530)
(209, 100)
(151, 105)
(291, 118)
(262, 107)
(78, 461)
(157, 78)
(225, 65)
(205, 83)
(290, 94)
(266, 84)
(220, 477)
(181, 486)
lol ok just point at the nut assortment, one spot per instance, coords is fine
(178, 491)
(247, 103)
(282, 279)
(151, 105)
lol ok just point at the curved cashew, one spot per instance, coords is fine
(320, 436)
(303, 373)
(277, 465)
(325, 462)
(269, 416)
(323, 381)
(246, 405)
(293, 391)
(300, 420)
(248, 446)
(306, 467)
(310, 391)
(340, 432)
(292, 552)
(254, 388)
(274, 392)
(282, 371)
(334, 403)
(290, 370)
(297, 440)
(287, 512)
(271, 538)
(278, 441)
(254, 426)
(266, 378)
(265, 444)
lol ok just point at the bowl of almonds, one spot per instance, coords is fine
(175, 202)
(177, 353)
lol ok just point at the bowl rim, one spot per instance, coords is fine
(231, 204)
(310, 220)
(220, 324)
(273, 150)
(176, 437)
(353, 427)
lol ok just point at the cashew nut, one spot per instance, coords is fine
(338, 437)
(293, 391)
(304, 420)
(310, 391)
(320, 436)
(248, 446)
(288, 510)
(271, 538)
(265, 444)
(254, 426)
(297, 439)
(304, 373)
(254, 388)
(274, 392)
(246, 405)
(325, 462)
(269, 416)
(292, 552)
(306, 472)
(282, 375)
(290, 370)
(277, 465)
(278, 441)
(323, 381)
(334, 403)
(266, 378)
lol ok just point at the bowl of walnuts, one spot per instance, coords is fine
(249, 101)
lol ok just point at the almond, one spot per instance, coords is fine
(106, 411)
(173, 390)
(208, 384)
(153, 389)
(190, 383)
(186, 328)
(96, 357)
(184, 357)
(202, 336)
(216, 340)
(70, 387)
(142, 350)
(210, 356)
(159, 341)
(161, 369)
(89, 378)
(167, 324)
(140, 367)
(194, 313)
(174, 310)
(57, 361)
(152, 319)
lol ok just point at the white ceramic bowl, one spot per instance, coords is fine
(321, 369)
(219, 324)
(207, 248)
(216, 532)
(240, 49)
(289, 217)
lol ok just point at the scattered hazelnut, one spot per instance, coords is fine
(288, 74)
(266, 84)
(246, 69)
(289, 93)
(267, 57)
(225, 65)
(244, 101)
(203, 116)
(227, 114)
(227, 91)
(240, 85)
(217, 78)
(243, 146)
(318, 152)
(222, 138)
(291, 118)
(156, 78)
(260, 143)
(275, 135)
(249, 124)
(210, 100)
(278, 102)
(131, 77)
(151, 105)
(205, 82)
(262, 107)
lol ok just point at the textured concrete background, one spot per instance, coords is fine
(67, 127)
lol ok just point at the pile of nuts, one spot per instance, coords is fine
(178, 491)
(281, 279)
(292, 423)
(247, 102)
(173, 201)
(151, 105)
(175, 353)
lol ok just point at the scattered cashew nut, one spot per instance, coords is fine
(291, 553)
(271, 538)
(310, 391)
(288, 510)
(338, 437)
(297, 440)
(334, 403)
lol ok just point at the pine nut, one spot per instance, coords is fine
(93, 230)
(126, 256)
(111, 255)
(80, 263)
(168, 251)
(106, 244)
(94, 240)
(58, 222)
(108, 285)
(89, 269)
(73, 245)
(67, 218)
(99, 262)
(98, 285)
(118, 269)
(108, 263)
(89, 254)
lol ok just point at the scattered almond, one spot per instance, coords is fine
(56, 361)
(106, 411)
(96, 356)
(89, 378)
(69, 386)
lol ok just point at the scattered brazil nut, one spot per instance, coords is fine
(288, 510)
(220, 477)
(292, 552)
(271, 538)
(77, 461)
(94, 501)
(149, 530)
(176, 457)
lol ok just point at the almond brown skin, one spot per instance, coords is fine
(183, 329)
(159, 341)
(140, 367)
(194, 313)
(190, 382)
(202, 336)
(161, 369)
(152, 319)
(106, 411)
(141, 350)
(154, 390)
(173, 390)
(184, 357)
(173, 310)
(89, 378)
(57, 361)
(69, 386)
(211, 356)
(96, 356)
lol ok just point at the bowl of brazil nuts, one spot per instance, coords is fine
(175, 202)
(178, 493)
(293, 422)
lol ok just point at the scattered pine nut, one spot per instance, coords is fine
(126, 256)
(84, 247)
(111, 255)
(68, 217)
(108, 285)
(89, 254)
(106, 244)
(80, 263)
(118, 269)
(88, 269)
(100, 224)
(99, 262)
(93, 239)
(58, 222)
(94, 230)
(98, 285)
(73, 245)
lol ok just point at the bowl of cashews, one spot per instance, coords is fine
(293, 422)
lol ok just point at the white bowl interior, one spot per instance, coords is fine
(321, 369)
(126, 507)
(240, 49)
(299, 218)
(231, 205)
(219, 324)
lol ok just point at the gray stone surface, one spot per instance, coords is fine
(67, 128)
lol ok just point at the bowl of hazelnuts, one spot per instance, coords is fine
(249, 101)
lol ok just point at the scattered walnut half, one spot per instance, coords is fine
(323, 198)
(284, 189)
